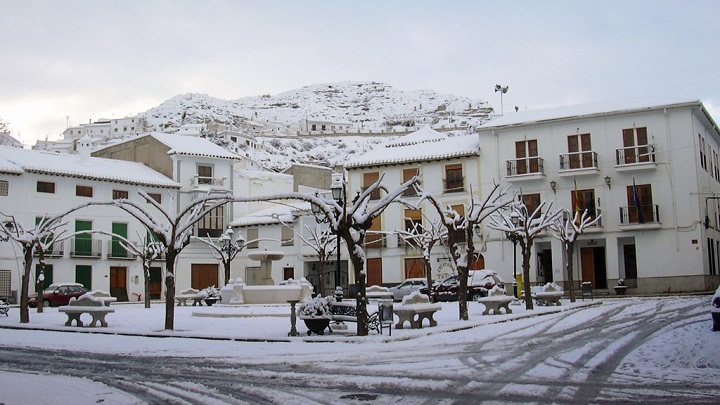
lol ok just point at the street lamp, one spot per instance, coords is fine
(514, 219)
(338, 193)
(230, 248)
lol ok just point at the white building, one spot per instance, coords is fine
(37, 183)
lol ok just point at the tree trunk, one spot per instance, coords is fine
(146, 272)
(39, 285)
(462, 292)
(526, 244)
(170, 289)
(361, 298)
(25, 287)
(569, 251)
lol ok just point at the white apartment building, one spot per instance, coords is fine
(37, 183)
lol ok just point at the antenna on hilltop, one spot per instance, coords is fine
(67, 121)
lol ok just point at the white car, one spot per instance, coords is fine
(406, 287)
(715, 310)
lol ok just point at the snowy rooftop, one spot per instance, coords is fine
(585, 110)
(278, 213)
(422, 145)
(193, 146)
(17, 161)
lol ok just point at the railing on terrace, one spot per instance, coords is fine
(635, 154)
(531, 165)
(200, 181)
(647, 214)
(82, 247)
(578, 160)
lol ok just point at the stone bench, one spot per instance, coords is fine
(414, 309)
(4, 308)
(496, 300)
(189, 294)
(550, 295)
(103, 296)
(86, 304)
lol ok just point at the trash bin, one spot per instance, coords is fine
(586, 288)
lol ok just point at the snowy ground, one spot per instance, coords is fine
(684, 352)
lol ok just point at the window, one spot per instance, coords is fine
(407, 175)
(314, 127)
(157, 197)
(288, 273)
(83, 191)
(531, 201)
(83, 275)
(368, 180)
(413, 221)
(526, 153)
(119, 195)
(373, 237)
(212, 224)
(635, 144)
(252, 238)
(459, 234)
(454, 178)
(415, 268)
(45, 187)
(576, 145)
(701, 147)
(4, 187)
(288, 236)
(640, 208)
(584, 200)
(205, 174)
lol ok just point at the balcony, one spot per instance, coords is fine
(115, 250)
(89, 248)
(57, 249)
(647, 216)
(454, 185)
(207, 183)
(374, 241)
(578, 163)
(635, 157)
(531, 168)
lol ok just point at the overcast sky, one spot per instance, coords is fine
(93, 59)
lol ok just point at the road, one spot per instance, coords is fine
(630, 350)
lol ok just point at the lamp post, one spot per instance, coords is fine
(338, 193)
(230, 249)
(514, 218)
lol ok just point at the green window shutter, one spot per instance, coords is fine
(116, 248)
(83, 275)
(83, 243)
(48, 272)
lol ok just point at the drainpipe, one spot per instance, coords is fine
(671, 176)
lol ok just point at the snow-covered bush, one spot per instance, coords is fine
(210, 292)
(318, 307)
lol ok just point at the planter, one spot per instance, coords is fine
(620, 289)
(210, 301)
(316, 325)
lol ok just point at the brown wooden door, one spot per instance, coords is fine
(414, 268)
(478, 264)
(203, 275)
(587, 263)
(118, 283)
(155, 283)
(374, 271)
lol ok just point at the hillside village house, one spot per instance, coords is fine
(36, 183)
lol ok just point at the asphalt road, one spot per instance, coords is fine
(546, 360)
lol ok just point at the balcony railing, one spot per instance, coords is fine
(86, 248)
(454, 185)
(648, 214)
(531, 165)
(57, 249)
(374, 241)
(208, 182)
(635, 154)
(578, 160)
(115, 250)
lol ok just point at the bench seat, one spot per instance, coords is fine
(86, 304)
(414, 309)
(496, 302)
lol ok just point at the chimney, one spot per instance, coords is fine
(84, 147)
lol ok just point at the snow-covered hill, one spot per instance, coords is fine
(369, 106)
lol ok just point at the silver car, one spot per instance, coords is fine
(407, 287)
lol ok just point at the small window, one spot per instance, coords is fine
(156, 196)
(83, 191)
(45, 187)
(119, 194)
(3, 187)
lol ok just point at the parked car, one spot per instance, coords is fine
(479, 282)
(407, 287)
(58, 294)
(715, 310)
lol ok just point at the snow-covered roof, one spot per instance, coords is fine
(193, 146)
(423, 145)
(585, 111)
(18, 161)
(273, 215)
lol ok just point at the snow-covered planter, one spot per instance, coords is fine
(211, 295)
(316, 308)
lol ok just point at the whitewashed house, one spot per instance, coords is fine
(37, 183)
(597, 157)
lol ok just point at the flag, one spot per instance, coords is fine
(577, 200)
(636, 199)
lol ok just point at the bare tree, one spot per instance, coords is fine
(224, 255)
(529, 225)
(460, 234)
(424, 238)
(567, 231)
(36, 240)
(172, 231)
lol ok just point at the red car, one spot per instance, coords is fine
(58, 294)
